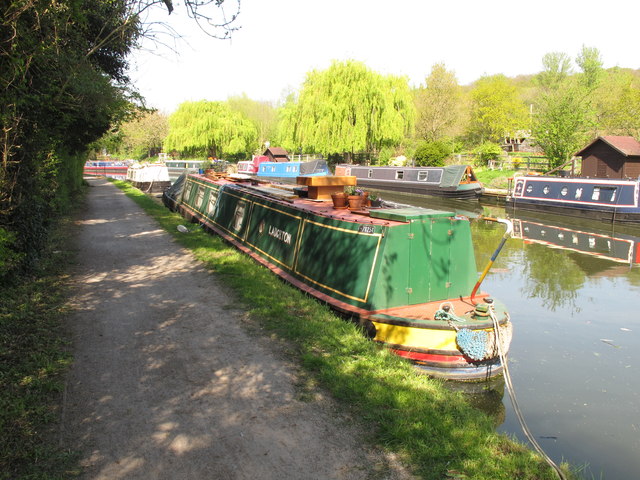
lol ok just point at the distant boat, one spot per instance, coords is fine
(275, 164)
(111, 169)
(151, 178)
(453, 181)
(178, 167)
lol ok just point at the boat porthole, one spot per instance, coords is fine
(546, 189)
(529, 188)
(564, 191)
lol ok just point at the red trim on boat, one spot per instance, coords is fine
(429, 357)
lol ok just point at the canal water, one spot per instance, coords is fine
(573, 289)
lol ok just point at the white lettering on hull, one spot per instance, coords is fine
(281, 235)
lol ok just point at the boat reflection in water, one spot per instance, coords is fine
(618, 245)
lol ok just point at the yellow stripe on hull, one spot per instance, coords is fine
(423, 338)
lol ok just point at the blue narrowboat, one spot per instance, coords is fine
(276, 170)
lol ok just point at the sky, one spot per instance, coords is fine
(280, 41)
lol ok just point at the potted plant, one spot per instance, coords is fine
(354, 197)
(374, 200)
(204, 166)
(339, 199)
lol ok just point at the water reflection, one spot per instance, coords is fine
(486, 396)
(572, 288)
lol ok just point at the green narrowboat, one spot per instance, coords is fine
(406, 274)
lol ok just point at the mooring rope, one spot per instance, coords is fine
(514, 401)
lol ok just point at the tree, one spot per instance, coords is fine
(211, 129)
(496, 110)
(143, 136)
(438, 104)
(556, 68)
(564, 114)
(262, 114)
(63, 85)
(617, 103)
(349, 108)
(590, 63)
(562, 122)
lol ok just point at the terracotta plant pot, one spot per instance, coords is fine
(339, 200)
(355, 202)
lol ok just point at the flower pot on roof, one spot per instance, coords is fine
(339, 200)
(355, 197)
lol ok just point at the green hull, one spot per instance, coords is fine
(406, 257)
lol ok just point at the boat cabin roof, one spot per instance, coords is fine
(285, 194)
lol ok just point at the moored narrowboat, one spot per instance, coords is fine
(608, 188)
(603, 199)
(406, 274)
(111, 169)
(151, 178)
(452, 181)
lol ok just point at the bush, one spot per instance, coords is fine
(432, 154)
(487, 151)
(384, 157)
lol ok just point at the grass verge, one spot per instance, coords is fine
(494, 178)
(434, 430)
(33, 360)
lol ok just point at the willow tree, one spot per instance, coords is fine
(209, 128)
(349, 108)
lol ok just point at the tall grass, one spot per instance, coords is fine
(33, 360)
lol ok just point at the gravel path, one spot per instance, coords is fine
(167, 385)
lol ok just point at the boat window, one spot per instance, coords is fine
(187, 192)
(200, 197)
(370, 173)
(546, 189)
(608, 194)
(422, 175)
(239, 216)
(213, 197)
(578, 193)
(529, 188)
(564, 191)
(596, 193)
(399, 174)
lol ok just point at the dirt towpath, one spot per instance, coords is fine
(167, 385)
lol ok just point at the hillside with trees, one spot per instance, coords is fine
(349, 112)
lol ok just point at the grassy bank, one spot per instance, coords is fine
(494, 178)
(433, 429)
(33, 360)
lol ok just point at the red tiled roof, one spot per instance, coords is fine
(628, 146)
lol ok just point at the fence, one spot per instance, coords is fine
(508, 162)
